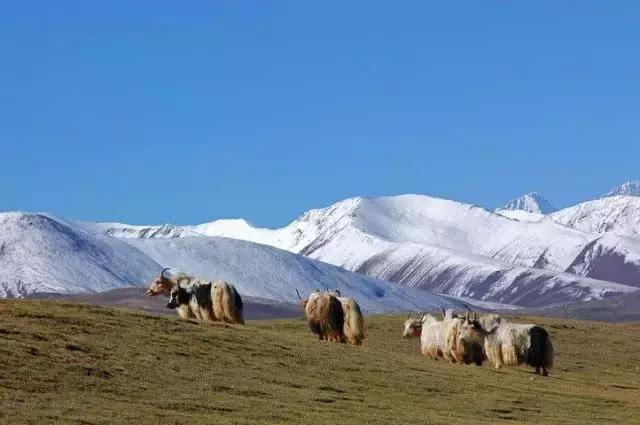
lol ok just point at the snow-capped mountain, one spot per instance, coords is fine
(530, 202)
(40, 253)
(270, 273)
(607, 256)
(436, 244)
(631, 188)
(588, 251)
(614, 214)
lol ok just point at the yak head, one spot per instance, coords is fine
(413, 326)
(471, 329)
(179, 295)
(161, 285)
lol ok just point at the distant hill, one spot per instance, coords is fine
(135, 299)
(621, 308)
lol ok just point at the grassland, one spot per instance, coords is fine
(69, 363)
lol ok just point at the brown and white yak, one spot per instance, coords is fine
(325, 315)
(353, 328)
(162, 285)
(510, 344)
(223, 302)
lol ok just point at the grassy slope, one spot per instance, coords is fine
(86, 364)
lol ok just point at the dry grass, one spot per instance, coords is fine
(64, 363)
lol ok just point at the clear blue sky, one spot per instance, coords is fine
(167, 111)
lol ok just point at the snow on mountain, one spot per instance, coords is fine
(39, 253)
(43, 254)
(631, 188)
(266, 272)
(530, 202)
(608, 256)
(521, 215)
(441, 245)
(614, 214)
(401, 219)
(464, 275)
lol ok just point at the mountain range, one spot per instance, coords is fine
(525, 253)
(41, 254)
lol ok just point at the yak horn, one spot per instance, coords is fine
(162, 272)
(298, 294)
(338, 292)
(444, 312)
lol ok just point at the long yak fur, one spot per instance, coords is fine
(512, 344)
(227, 303)
(196, 296)
(432, 337)
(325, 315)
(470, 344)
(222, 303)
(353, 328)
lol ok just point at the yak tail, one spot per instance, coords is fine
(237, 300)
(540, 352)
(353, 323)
(233, 305)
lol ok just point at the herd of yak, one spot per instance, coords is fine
(332, 317)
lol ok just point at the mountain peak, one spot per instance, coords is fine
(630, 188)
(531, 202)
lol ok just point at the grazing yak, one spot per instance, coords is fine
(509, 344)
(353, 328)
(440, 339)
(429, 330)
(222, 303)
(325, 315)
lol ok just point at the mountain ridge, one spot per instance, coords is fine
(451, 247)
(531, 202)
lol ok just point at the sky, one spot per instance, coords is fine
(183, 112)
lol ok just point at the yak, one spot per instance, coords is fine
(510, 344)
(429, 330)
(353, 328)
(223, 303)
(325, 315)
(469, 349)
(438, 339)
